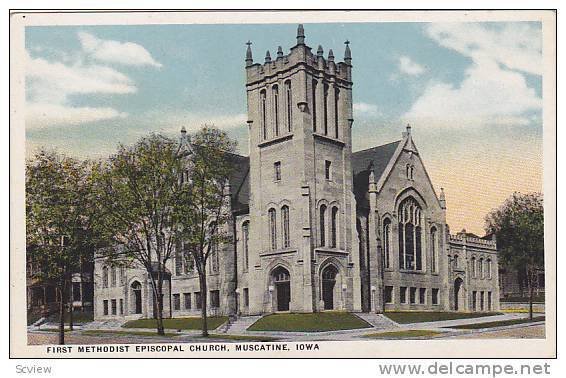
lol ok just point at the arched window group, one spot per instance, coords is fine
(285, 228)
(387, 243)
(410, 235)
(276, 110)
(481, 268)
(410, 171)
(331, 238)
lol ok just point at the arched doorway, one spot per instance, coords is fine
(328, 284)
(282, 282)
(136, 297)
(458, 294)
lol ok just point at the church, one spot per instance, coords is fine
(316, 226)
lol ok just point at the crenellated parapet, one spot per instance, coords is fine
(300, 57)
(464, 239)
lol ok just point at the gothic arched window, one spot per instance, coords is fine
(480, 266)
(322, 222)
(113, 276)
(473, 267)
(334, 227)
(289, 104)
(263, 105)
(434, 249)
(105, 276)
(410, 235)
(273, 228)
(275, 90)
(245, 242)
(387, 242)
(488, 269)
(285, 224)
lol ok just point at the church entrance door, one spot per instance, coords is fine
(136, 291)
(282, 282)
(458, 294)
(328, 284)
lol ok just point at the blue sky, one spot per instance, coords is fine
(472, 92)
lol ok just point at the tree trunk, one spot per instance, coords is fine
(71, 306)
(203, 289)
(531, 292)
(159, 300)
(62, 313)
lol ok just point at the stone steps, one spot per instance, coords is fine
(379, 321)
(240, 325)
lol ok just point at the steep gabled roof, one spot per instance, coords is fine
(240, 182)
(379, 156)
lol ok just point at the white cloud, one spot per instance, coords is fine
(517, 45)
(494, 91)
(363, 108)
(50, 84)
(109, 51)
(409, 67)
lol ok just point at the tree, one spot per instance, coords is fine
(519, 229)
(138, 191)
(204, 210)
(57, 219)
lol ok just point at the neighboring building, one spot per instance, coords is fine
(316, 226)
(513, 284)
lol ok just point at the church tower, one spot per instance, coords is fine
(303, 248)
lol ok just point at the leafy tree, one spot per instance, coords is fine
(519, 229)
(58, 220)
(204, 213)
(138, 191)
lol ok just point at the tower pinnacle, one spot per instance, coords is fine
(347, 53)
(267, 57)
(249, 59)
(300, 35)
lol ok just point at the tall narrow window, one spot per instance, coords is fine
(433, 249)
(314, 84)
(273, 228)
(322, 225)
(473, 267)
(263, 105)
(289, 104)
(386, 242)
(285, 221)
(334, 228)
(277, 170)
(113, 276)
(276, 108)
(214, 253)
(480, 266)
(336, 102)
(105, 276)
(410, 235)
(327, 169)
(325, 109)
(488, 269)
(245, 242)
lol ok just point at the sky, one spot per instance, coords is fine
(472, 93)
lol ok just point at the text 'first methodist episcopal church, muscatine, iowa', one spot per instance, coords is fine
(316, 226)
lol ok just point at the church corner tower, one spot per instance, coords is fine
(302, 211)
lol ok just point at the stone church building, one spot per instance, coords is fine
(315, 225)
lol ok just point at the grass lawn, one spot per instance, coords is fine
(242, 337)
(78, 317)
(408, 334)
(177, 323)
(406, 317)
(500, 323)
(536, 299)
(94, 332)
(315, 322)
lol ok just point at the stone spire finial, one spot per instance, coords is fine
(330, 55)
(408, 129)
(319, 51)
(183, 130)
(300, 35)
(267, 57)
(279, 52)
(347, 53)
(249, 59)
